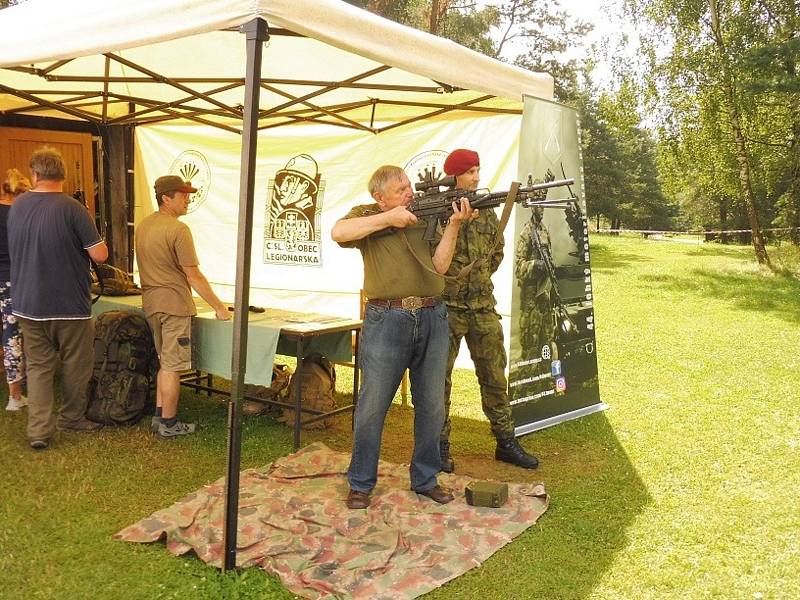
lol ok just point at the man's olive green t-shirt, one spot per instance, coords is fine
(390, 270)
(163, 246)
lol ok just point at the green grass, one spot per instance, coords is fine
(686, 488)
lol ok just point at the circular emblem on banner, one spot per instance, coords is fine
(426, 166)
(193, 166)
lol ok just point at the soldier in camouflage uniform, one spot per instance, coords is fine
(472, 315)
(536, 316)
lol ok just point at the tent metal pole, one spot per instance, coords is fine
(257, 33)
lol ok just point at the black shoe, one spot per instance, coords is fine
(448, 466)
(511, 452)
(39, 444)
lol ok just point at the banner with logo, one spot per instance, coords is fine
(552, 354)
(309, 176)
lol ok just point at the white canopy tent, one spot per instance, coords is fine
(330, 72)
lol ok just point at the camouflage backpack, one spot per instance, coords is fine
(318, 384)
(116, 282)
(277, 390)
(125, 364)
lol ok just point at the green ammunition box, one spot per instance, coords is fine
(486, 493)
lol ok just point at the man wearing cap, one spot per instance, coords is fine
(168, 270)
(405, 327)
(51, 237)
(471, 315)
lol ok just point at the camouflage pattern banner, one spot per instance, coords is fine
(293, 523)
(552, 356)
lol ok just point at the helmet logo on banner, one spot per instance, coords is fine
(292, 232)
(426, 166)
(192, 166)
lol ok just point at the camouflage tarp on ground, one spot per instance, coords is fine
(293, 523)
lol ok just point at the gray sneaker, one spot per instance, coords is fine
(180, 428)
(39, 444)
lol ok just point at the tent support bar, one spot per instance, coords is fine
(107, 69)
(319, 92)
(272, 81)
(176, 103)
(257, 33)
(162, 79)
(42, 102)
(316, 107)
(434, 113)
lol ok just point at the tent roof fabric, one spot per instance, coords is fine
(144, 61)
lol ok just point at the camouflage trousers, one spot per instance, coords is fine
(484, 336)
(535, 326)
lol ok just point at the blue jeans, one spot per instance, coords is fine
(392, 341)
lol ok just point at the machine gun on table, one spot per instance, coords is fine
(434, 205)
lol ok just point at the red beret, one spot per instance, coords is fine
(460, 161)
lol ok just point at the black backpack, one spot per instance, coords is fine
(125, 363)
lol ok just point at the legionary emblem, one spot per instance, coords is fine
(192, 166)
(292, 231)
(426, 166)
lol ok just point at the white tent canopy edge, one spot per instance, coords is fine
(46, 30)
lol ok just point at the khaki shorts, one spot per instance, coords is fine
(173, 338)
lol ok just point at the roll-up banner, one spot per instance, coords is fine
(552, 354)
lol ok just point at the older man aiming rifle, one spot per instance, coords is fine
(405, 327)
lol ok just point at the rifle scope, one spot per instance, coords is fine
(449, 181)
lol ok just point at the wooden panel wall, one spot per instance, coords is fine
(17, 144)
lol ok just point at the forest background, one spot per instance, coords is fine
(695, 122)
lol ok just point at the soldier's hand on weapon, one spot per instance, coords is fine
(539, 266)
(400, 216)
(462, 211)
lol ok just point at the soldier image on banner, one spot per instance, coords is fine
(292, 231)
(536, 323)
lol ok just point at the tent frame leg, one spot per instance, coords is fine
(256, 32)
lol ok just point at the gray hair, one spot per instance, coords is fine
(48, 164)
(382, 176)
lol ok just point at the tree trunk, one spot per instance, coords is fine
(742, 156)
(438, 8)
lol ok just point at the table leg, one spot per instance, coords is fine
(298, 394)
(356, 378)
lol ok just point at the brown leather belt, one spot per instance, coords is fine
(411, 303)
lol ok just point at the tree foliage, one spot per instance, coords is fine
(726, 95)
(620, 157)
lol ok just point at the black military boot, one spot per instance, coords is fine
(509, 450)
(448, 466)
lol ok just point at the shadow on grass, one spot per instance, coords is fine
(605, 258)
(104, 482)
(779, 295)
(595, 493)
(743, 253)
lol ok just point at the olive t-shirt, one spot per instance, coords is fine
(390, 270)
(163, 246)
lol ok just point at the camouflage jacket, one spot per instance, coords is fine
(475, 240)
(530, 271)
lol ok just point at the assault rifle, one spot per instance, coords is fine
(564, 323)
(435, 205)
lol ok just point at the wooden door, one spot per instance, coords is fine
(17, 145)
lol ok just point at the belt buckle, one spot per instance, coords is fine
(412, 303)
